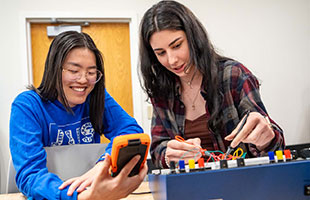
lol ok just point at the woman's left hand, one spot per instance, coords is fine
(256, 130)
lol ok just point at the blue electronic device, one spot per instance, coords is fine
(285, 181)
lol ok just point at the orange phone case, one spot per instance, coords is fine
(125, 147)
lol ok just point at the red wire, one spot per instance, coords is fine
(202, 151)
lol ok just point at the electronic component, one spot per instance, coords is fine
(191, 164)
(181, 166)
(279, 155)
(201, 164)
(288, 155)
(285, 180)
(305, 153)
(240, 162)
(125, 147)
(236, 162)
(165, 171)
(172, 167)
(223, 164)
(294, 154)
(156, 171)
(271, 157)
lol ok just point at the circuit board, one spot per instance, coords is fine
(255, 179)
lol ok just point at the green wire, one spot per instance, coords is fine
(218, 151)
(243, 155)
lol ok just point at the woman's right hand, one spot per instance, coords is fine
(110, 188)
(189, 149)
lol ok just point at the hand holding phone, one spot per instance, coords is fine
(125, 147)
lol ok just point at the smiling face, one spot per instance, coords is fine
(78, 60)
(172, 51)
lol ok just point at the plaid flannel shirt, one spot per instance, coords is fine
(240, 90)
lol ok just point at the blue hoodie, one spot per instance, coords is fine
(35, 124)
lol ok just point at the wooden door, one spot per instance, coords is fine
(112, 39)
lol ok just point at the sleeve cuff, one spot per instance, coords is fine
(163, 160)
(64, 196)
(102, 158)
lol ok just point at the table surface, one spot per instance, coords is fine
(144, 187)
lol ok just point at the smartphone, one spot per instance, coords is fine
(125, 147)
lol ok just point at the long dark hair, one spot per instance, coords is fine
(51, 86)
(158, 82)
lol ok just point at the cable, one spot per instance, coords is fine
(238, 153)
(138, 193)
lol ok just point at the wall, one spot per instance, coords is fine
(271, 37)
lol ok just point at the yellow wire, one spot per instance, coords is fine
(236, 155)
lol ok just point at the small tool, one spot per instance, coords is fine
(230, 149)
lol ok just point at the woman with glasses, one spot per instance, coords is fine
(71, 106)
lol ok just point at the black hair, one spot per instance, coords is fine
(51, 85)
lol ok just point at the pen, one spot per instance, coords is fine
(230, 149)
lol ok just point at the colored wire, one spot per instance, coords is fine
(188, 151)
(239, 153)
(243, 156)
(180, 139)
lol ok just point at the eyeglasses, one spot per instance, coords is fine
(92, 76)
